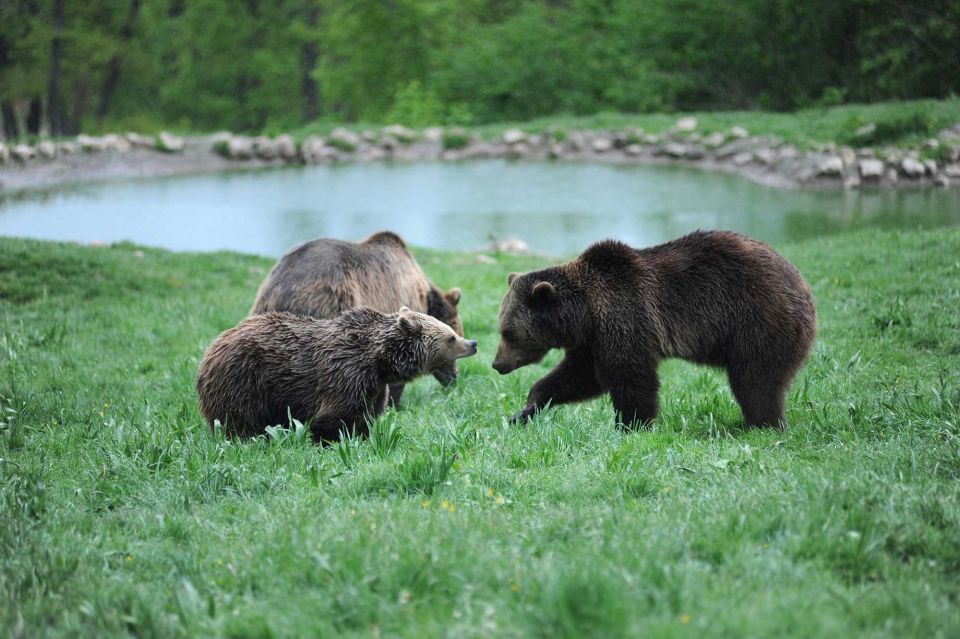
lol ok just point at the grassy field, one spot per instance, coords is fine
(120, 514)
(906, 123)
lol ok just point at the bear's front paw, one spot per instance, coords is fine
(522, 416)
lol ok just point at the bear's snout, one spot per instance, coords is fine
(502, 367)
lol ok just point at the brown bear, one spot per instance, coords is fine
(322, 278)
(332, 374)
(710, 297)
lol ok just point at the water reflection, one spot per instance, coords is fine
(556, 208)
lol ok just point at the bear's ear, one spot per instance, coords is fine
(543, 292)
(511, 277)
(453, 296)
(406, 322)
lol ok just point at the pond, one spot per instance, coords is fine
(557, 208)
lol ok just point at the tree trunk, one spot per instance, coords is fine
(20, 110)
(57, 124)
(113, 69)
(8, 120)
(309, 55)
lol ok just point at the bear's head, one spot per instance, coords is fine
(541, 310)
(437, 346)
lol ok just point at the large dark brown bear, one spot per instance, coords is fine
(330, 373)
(322, 278)
(711, 297)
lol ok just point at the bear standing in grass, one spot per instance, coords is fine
(322, 278)
(331, 373)
(711, 297)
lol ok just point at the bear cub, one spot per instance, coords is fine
(332, 374)
(710, 297)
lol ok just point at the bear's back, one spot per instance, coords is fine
(324, 277)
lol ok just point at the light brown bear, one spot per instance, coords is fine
(332, 374)
(711, 297)
(323, 278)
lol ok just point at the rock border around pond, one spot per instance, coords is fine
(765, 159)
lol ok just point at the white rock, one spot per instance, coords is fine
(348, 140)
(892, 175)
(113, 142)
(169, 142)
(633, 149)
(788, 152)
(714, 140)
(90, 144)
(264, 148)
(4, 153)
(46, 150)
(513, 136)
(686, 124)
(650, 138)
(743, 158)
(368, 136)
(830, 165)
(286, 147)
(400, 132)
(511, 245)
(932, 143)
(674, 149)
(239, 148)
(433, 134)
(388, 143)
(68, 147)
(23, 153)
(518, 150)
(952, 170)
(601, 145)
(575, 141)
(315, 151)
(140, 141)
(739, 132)
(848, 156)
(556, 151)
(912, 168)
(871, 169)
(930, 166)
(765, 155)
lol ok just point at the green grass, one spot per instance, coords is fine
(120, 514)
(903, 123)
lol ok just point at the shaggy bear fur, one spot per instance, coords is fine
(711, 297)
(322, 278)
(332, 374)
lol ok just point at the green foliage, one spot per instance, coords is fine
(415, 106)
(121, 514)
(211, 64)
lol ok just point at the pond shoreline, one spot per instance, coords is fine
(761, 159)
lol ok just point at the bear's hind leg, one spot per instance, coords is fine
(762, 398)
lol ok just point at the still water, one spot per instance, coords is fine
(556, 208)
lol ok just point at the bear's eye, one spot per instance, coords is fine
(451, 339)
